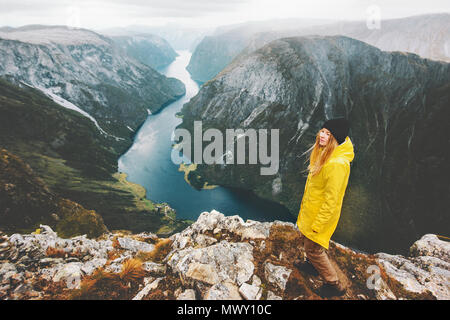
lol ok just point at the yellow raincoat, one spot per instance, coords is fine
(322, 199)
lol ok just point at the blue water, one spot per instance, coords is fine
(148, 162)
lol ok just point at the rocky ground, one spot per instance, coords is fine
(217, 257)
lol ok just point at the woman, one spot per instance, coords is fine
(329, 170)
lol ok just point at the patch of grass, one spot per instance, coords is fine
(354, 265)
(55, 253)
(137, 190)
(162, 248)
(132, 271)
(103, 285)
(76, 220)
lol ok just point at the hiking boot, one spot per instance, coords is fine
(329, 290)
(306, 267)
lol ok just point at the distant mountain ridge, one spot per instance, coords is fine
(150, 49)
(180, 37)
(215, 51)
(427, 35)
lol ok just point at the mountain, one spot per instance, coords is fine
(149, 49)
(216, 258)
(88, 71)
(216, 51)
(426, 35)
(25, 201)
(180, 37)
(397, 104)
(53, 159)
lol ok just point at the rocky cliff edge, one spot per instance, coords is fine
(217, 257)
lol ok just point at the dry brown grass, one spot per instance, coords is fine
(105, 285)
(162, 248)
(132, 271)
(55, 253)
(115, 243)
(113, 254)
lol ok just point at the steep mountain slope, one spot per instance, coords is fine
(426, 35)
(150, 49)
(216, 51)
(89, 71)
(397, 104)
(74, 160)
(26, 201)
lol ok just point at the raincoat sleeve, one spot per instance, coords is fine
(335, 176)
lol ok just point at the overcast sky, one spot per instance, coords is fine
(115, 13)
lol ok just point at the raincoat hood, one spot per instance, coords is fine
(344, 151)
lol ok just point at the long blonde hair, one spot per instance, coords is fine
(318, 155)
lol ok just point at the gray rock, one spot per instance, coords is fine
(216, 222)
(71, 274)
(430, 245)
(250, 292)
(134, 245)
(256, 281)
(229, 261)
(7, 270)
(383, 292)
(187, 294)
(141, 294)
(420, 273)
(223, 291)
(204, 241)
(202, 272)
(277, 275)
(90, 266)
(273, 296)
(155, 269)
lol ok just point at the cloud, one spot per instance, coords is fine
(151, 8)
(109, 13)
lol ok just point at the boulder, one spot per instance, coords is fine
(221, 261)
(187, 294)
(250, 292)
(135, 245)
(223, 291)
(277, 275)
(71, 274)
(427, 269)
(146, 290)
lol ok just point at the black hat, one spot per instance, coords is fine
(338, 127)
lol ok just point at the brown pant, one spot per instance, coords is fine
(319, 259)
